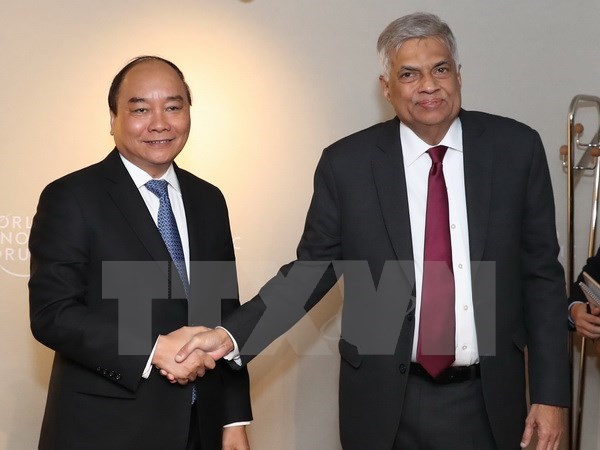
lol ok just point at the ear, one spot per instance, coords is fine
(112, 123)
(385, 87)
(458, 75)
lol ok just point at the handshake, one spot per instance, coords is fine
(186, 353)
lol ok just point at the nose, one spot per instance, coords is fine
(159, 122)
(429, 83)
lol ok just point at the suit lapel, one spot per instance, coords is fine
(390, 181)
(129, 201)
(194, 220)
(478, 163)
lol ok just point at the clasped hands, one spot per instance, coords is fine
(186, 353)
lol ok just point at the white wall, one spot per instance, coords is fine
(274, 81)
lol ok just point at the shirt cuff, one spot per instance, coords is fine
(570, 317)
(236, 424)
(234, 355)
(148, 368)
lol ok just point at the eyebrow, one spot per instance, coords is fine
(143, 100)
(438, 64)
(441, 63)
(407, 68)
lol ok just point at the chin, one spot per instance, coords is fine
(435, 119)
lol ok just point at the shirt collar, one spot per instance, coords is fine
(413, 146)
(140, 177)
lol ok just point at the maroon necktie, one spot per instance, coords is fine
(435, 348)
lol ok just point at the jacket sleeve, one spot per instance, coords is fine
(61, 314)
(544, 288)
(299, 285)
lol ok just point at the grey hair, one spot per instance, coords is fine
(416, 25)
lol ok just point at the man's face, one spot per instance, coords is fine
(152, 123)
(424, 87)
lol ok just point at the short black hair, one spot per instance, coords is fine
(113, 92)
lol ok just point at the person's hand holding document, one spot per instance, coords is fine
(587, 317)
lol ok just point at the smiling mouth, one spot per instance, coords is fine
(430, 104)
(158, 141)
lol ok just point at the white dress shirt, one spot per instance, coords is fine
(140, 178)
(416, 168)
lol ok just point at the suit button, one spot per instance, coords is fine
(402, 368)
(410, 317)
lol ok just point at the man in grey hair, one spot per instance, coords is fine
(461, 248)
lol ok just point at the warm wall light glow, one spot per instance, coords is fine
(258, 127)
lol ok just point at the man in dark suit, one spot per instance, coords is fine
(435, 185)
(99, 396)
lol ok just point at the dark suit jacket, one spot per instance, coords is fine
(97, 398)
(359, 211)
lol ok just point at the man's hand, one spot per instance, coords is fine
(587, 324)
(234, 438)
(216, 343)
(185, 370)
(548, 421)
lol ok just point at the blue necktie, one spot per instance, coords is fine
(170, 234)
(168, 229)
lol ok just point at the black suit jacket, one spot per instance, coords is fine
(97, 398)
(359, 212)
